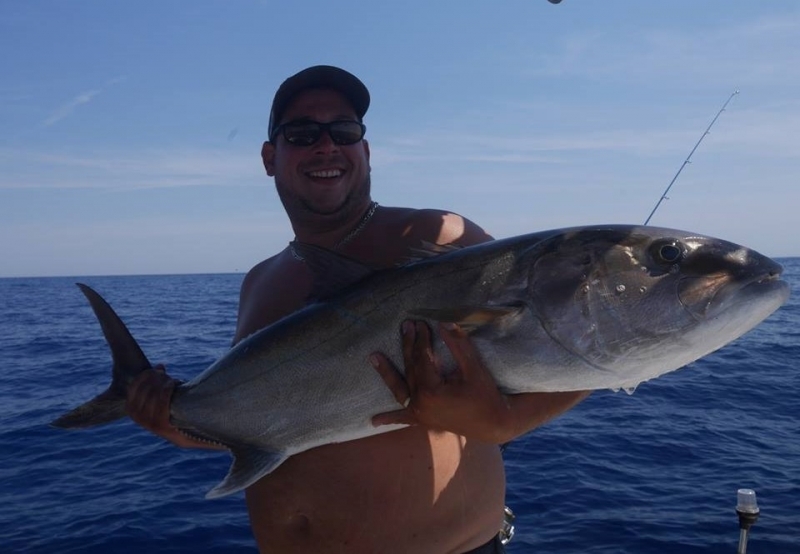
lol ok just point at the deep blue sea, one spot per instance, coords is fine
(653, 472)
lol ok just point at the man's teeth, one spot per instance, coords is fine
(326, 173)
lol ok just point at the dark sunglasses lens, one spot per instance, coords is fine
(346, 132)
(302, 134)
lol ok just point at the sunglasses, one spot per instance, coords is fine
(306, 133)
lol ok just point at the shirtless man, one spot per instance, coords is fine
(437, 486)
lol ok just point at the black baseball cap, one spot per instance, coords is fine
(319, 76)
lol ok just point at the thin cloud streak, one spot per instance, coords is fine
(718, 54)
(82, 98)
(143, 170)
(767, 130)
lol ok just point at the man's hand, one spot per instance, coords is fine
(149, 396)
(465, 400)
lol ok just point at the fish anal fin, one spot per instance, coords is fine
(250, 464)
(472, 318)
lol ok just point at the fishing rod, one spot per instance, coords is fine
(689, 157)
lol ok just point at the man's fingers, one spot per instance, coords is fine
(464, 353)
(423, 363)
(391, 377)
(408, 331)
(147, 402)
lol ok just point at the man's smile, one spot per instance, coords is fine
(325, 173)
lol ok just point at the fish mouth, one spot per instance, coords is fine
(723, 276)
(710, 296)
(770, 285)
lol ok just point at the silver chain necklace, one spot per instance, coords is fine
(348, 237)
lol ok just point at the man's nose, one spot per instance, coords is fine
(325, 143)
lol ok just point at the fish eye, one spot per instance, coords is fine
(667, 251)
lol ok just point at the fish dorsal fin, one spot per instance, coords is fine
(472, 318)
(249, 465)
(332, 271)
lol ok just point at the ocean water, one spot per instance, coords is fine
(653, 472)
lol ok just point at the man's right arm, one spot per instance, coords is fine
(150, 394)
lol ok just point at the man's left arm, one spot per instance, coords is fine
(467, 401)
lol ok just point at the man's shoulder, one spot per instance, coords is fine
(437, 226)
(417, 214)
(275, 273)
(262, 268)
(271, 289)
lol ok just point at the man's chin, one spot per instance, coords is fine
(329, 202)
(326, 208)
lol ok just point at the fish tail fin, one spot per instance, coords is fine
(129, 361)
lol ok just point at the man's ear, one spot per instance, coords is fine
(366, 151)
(268, 157)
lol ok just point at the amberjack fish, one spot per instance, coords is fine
(598, 307)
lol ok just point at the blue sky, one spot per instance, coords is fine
(130, 131)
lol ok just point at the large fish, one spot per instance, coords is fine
(572, 309)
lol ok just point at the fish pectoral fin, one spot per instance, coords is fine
(472, 318)
(250, 464)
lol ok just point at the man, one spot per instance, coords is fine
(437, 486)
